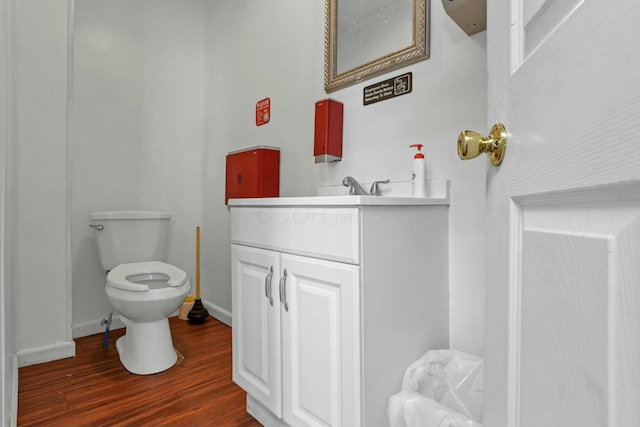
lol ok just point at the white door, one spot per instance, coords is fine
(563, 215)
(256, 325)
(320, 342)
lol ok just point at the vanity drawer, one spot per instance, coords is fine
(321, 232)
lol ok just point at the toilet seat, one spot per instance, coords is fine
(118, 277)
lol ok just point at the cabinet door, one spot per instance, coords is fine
(256, 325)
(320, 342)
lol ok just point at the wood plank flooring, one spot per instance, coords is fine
(93, 389)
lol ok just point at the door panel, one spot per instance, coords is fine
(256, 325)
(540, 19)
(321, 348)
(563, 317)
(575, 308)
(563, 215)
(316, 357)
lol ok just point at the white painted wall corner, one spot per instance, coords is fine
(218, 312)
(47, 353)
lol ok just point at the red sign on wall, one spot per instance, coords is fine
(263, 111)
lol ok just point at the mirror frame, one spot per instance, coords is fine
(417, 51)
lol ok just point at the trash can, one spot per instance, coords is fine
(444, 388)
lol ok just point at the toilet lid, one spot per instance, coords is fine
(118, 276)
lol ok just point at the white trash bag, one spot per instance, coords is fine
(444, 388)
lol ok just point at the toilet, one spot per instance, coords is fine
(143, 288)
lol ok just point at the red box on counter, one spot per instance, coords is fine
(253, 172)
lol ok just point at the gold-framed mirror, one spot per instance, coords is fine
(363, 39)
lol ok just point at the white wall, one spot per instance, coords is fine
(256, 50)
(162, 90)
(41, 286)
(448, 96)
(8, 366)
(138, 131)
(259, 49)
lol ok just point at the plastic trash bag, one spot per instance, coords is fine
(411, 409)
(444, 388)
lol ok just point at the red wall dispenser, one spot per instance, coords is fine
(327, 144)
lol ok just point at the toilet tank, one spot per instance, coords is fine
(130, 236)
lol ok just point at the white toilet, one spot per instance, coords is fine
(142, 288)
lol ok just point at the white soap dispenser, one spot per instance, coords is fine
(419, 175)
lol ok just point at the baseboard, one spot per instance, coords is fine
(218, 312)
(13, 418)
(94, 327)
(262, 414)
(47, 353)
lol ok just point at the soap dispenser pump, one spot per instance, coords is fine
(419, 174)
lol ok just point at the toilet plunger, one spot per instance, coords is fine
(198, 313)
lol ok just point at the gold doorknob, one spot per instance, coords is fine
(472, 144)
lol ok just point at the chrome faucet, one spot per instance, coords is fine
(356, 188)
(375, 188)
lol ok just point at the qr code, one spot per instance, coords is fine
(401, 85)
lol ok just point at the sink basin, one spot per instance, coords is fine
(397, 195)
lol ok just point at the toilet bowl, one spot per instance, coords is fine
(145, 294)
(131, 247)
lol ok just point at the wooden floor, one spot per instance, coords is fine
(93, 389)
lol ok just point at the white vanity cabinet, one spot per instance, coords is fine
(331, 303)
(297, 357)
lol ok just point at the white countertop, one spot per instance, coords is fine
(439, 189)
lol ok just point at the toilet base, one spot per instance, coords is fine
(147, 347)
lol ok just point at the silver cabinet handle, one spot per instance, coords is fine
(98, 227)
(267, 285)
(283, 291)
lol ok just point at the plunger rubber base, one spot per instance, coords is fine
(198, 313)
